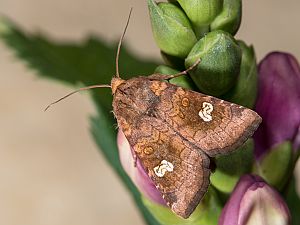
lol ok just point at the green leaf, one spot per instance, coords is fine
(90, 62)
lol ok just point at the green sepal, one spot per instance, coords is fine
(171, 28)
(276, 165)
(230, 167)
(206, 213)
(219, 67)
(244, 91)
(230, 17)
(293, 201)
(201, 13)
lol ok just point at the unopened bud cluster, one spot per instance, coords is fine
(188, 30)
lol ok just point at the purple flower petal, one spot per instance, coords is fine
(254, 200)
(137, 173)
(278, 102)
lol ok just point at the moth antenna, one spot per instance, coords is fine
(187, 70)
(159, 76)
(78, 90)
(120, 43)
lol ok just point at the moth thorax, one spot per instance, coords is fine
(115, 83)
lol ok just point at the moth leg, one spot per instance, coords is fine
(134, 156)
(134, 160)
(160, 76)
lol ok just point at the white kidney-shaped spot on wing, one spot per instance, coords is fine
(205, 112)
(163, 167)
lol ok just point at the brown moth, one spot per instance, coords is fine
(174, 132)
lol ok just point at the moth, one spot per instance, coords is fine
(175, 132)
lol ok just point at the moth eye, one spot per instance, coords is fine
(148, 150)
(185, 102)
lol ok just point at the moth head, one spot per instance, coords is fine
(115, 83)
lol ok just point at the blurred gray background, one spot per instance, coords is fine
(50, 170)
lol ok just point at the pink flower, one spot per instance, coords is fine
(136, 172)
(253, 201)
(278, 102)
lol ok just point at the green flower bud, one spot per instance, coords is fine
(220, 63)
(201, 13)
(245, 91)
(230, 17)
(171, 28)
(276, 164)
(185, 82)
(207, 212)
(182, 81)
(173, 61)
(163, 69)
(230, 167)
